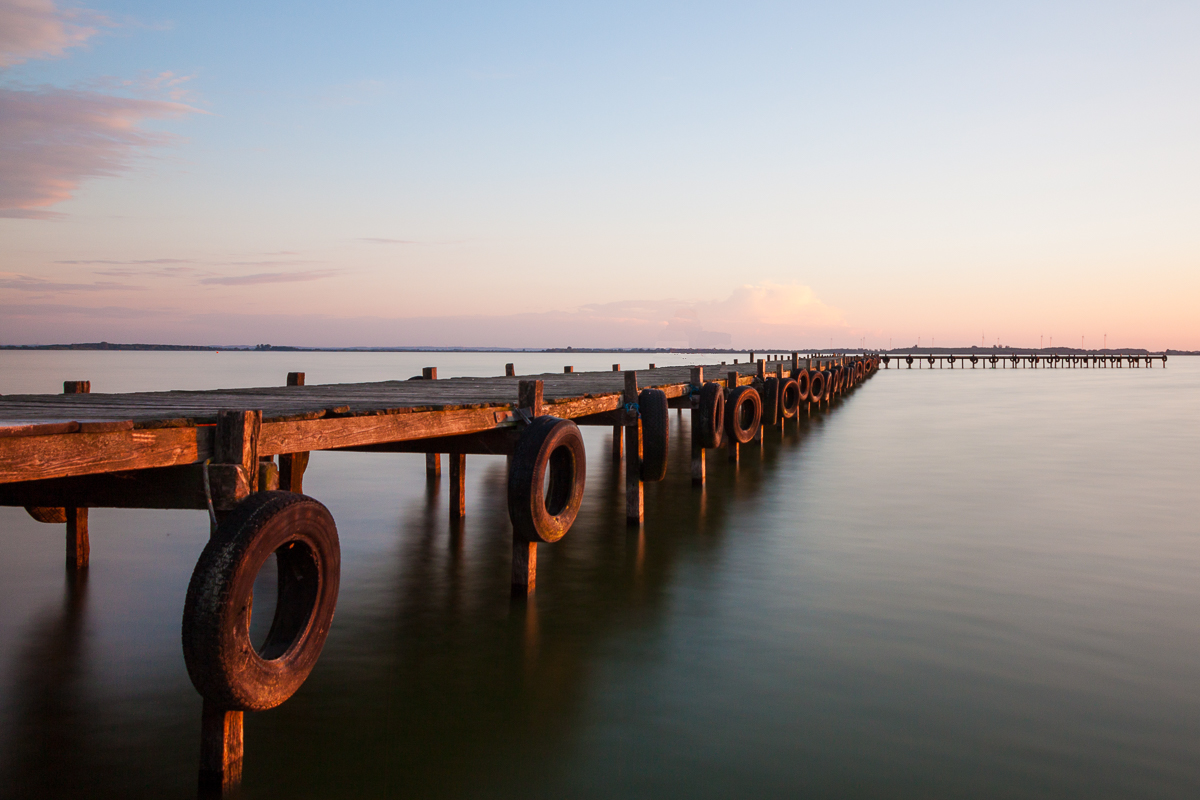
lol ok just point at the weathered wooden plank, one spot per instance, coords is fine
(28, 458)
(333, 434)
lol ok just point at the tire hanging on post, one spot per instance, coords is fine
(655, 414)
(711, 414)
(743, 414)
(549, 454)
(789, 400)
(222, 662)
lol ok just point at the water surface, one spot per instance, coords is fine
(957, 584)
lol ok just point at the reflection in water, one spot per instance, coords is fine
(50, 701)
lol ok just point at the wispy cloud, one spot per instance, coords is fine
(270, 277)
(56, 138)
(17, 282)
(38, 29)
(377, 240)
(148, 272)
(134, 261)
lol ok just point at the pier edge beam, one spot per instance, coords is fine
(697, 448)
(634, 500)
(79, 546)
(524, 553)
(293, 465)
(617, 452)
(433, 461)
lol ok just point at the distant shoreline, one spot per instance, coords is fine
(973, 349)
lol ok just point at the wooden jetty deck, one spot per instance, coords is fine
(240, 454)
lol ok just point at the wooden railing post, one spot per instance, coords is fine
(634, 504)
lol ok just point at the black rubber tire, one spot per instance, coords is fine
(710, 415)
(221, 660)
(743, 414)
(656, 433)
(803, 380)
(909, 360)
(817, 385)
(789, 401)
(551, 447)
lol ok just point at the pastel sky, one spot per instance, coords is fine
(761, 175)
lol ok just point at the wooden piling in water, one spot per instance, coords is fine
(697, 382)
(634, 501)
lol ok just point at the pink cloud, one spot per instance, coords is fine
(37, 29)
(53, 139)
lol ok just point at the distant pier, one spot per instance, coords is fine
(1024, 360)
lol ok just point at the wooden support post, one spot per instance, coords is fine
(568, 370)
(734, 447)
(652, 366)
(433, 461)
(236, 444)
(510, 371)
(776, 413)
(617, 450)
(458, 474)
(524, 567)
(524, 554)
(795, 364)
(292, 465)
(78, 545)
(221, 751)
(634, 503)
(79, 548)
(529, 397)
(697, 448)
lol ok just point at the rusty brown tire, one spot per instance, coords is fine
(656, 433)
(803, 381)
(817, 385)
(789, 400)
(221, 660)
(743, 414)
(545, 481)
(711, 415)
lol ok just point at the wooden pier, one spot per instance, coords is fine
(240, 456)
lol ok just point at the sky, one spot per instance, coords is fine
(748, 175)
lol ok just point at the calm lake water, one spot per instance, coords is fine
(957, 584)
